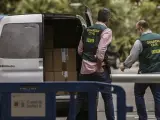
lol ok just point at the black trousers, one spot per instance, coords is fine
(82, 98)
(139, 91)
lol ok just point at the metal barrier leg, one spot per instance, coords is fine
(92, 105)
(121, 105)
(54, 106)
(50, 107)
(72, 108)
(0, 106)
(122, 109)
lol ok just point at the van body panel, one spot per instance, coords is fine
(21, 76)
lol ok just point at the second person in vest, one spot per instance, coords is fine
(147, 50)
(92, 49)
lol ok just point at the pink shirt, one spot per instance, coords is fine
(91, 67)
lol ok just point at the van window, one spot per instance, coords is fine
(20, 40)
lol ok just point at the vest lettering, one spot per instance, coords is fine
(156, 51)
(89, 40)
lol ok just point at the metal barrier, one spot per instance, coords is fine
(37, 101)
(136, 78)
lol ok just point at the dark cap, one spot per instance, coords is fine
(104, 15)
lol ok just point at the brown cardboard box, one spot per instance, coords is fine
(49, 76)
(72, 76)
(59, 77)
(70, 64)
(60, 93)
(57, 62)
(48, 62)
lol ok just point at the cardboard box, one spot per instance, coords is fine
(59, 77)
(57, 62)
(49, 76)
(60, 93)
(48, 61)
(69, 65)
(72, 76)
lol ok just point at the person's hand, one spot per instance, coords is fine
(99, 66)
(122, 68)
(100, 70)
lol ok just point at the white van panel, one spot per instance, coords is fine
(28, 64)
(18, 68)
(21, 76)
(30, 18)
(14, 71)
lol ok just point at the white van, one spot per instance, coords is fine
(23, 40)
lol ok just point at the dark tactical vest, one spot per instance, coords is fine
(91, 37)
(150, 57)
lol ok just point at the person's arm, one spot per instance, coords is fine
(80, 47)
(106, 38)
(134, 55)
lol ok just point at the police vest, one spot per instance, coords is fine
(91, 37)
(149, 59)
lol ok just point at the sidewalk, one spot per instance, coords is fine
(130, 116)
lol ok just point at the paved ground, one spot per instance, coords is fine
(133, 116)
(130, 99)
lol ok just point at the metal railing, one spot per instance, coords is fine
(136, 78)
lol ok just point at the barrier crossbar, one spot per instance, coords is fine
(136, 78)
(9, 92)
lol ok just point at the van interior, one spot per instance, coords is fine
(61, 32)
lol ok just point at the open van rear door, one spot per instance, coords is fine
(20, 45)
(88, 16)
